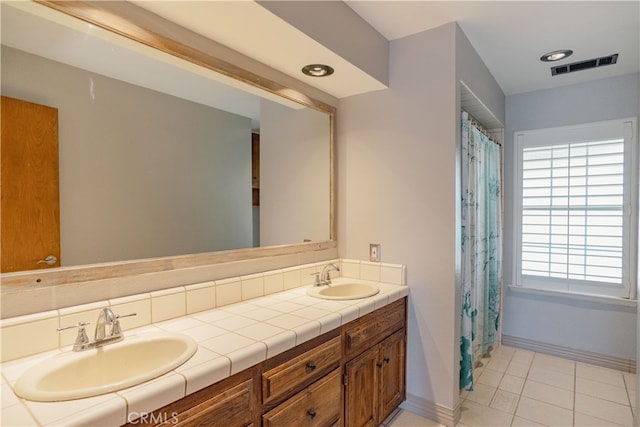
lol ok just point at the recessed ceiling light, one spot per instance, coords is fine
(556, 55)
(317, 70)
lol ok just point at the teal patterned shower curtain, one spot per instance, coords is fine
(481, 247)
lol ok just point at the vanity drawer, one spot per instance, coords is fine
(319, 405)
(234, 406)
(372, 328)
(284, 379)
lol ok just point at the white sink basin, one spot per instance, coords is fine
(344, 290)
(74, 375)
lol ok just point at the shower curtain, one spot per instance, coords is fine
(481, 247)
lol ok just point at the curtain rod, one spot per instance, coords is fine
(481, 128)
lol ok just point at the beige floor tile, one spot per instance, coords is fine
(498, 363)
(554, 363)
(549, 394)
(632, 396)
(583, 420)
(505, 401)
(522, 356)
(603, 375)
(518, 369)
(544, 413)
(603, 409)
(602, 390)
(474, 414)
(504, 352)
(481, 394)
(550, 377)
(537, 389)
(511, 384)
(630, 380)
(490, 377)
(408, 419)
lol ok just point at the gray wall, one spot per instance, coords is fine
(142, 174)
(583, 325)
(397, 180)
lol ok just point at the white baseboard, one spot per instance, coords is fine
(433, 411)
(612, 362)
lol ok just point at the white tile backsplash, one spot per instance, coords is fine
(273, 282)
(292, 278)
(228, 291)
(192, 300)
(168, 304)
(201, 297)
(252, 286)
(37, 334)
(370, 271)
(350, 268)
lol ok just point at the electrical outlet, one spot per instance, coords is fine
(374, 252)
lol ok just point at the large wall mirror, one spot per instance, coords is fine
(157, 148)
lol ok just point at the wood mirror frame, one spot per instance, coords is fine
(135, 23)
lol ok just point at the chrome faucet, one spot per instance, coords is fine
(107, 319)
(325, 277)
(107, 331)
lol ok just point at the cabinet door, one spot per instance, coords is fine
(392, 383)
(361, 399)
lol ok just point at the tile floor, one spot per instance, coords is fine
(522, 388)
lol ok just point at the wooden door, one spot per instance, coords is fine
(361, 399)
(392, 383)
(30, 206)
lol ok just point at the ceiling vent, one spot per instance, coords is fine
(584, 65)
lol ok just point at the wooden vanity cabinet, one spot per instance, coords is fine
(352, 376)
(375, 368)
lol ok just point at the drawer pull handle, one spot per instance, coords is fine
(311, 413)
(379, 365)
(311, 366)
(386, 360)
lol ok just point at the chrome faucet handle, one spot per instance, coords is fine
(81, 339)
(120, 316)
(117, 330)
(316, 281)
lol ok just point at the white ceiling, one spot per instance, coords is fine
(510, 36)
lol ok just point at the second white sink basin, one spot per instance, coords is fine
(344, 290)
(75, 375)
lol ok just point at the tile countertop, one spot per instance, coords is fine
(230, 339)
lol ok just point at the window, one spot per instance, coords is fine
(576, 208)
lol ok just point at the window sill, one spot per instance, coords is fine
(575, 296)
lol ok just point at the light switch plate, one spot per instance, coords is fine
(374, 252)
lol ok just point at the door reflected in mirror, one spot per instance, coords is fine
(155, 155)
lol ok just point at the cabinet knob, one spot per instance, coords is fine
(386, 360)
(311, 366)
(311, 413)
(379, 365)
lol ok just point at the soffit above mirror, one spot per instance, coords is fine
(271, 40)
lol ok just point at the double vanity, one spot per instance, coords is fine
(317, 355)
